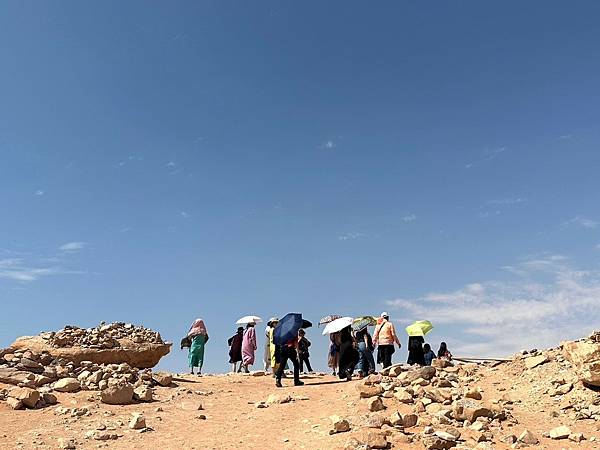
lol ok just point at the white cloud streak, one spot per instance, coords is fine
(73, 246)
(17, 270)
(409, 218)
(548, 301)
(351, 236)
(582, 222)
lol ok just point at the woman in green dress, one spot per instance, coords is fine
(199, 337)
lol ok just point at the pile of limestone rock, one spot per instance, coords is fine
(442, 406)
(101, 337)
(37, 373)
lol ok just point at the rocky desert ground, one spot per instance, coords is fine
(94, 388)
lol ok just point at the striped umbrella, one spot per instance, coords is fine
(327, 319)
(363, 322)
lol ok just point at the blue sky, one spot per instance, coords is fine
(165, 161)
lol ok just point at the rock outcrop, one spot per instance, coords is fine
(585, 356)
(113, 343)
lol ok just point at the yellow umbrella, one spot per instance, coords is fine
(419, 328)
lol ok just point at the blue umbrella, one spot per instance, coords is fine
(287, 328)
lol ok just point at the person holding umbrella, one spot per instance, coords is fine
(285, 337)
(248, 346)
(348, 355)
(385, 338)
(416, 332)
(366, 363)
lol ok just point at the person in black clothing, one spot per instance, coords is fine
(348, 354)
(235, 350)
(415, 350)
(366, 363)
(303, 353)
(282, 354)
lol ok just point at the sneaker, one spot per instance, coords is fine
(298, 383)
(278, 383)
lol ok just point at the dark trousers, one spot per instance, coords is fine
(285, 354)
(304, 360)
(385, 353)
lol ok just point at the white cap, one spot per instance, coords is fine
(385, 314)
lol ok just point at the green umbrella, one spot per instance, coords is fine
(419, 328)
(363, 322)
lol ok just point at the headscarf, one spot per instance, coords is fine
(197, 328)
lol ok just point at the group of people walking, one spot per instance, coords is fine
(348, 350)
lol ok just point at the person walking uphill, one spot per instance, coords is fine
(385, 338)
(235, 351)
(348, 354)
(248, 346)
(199, 338)
(282, 353)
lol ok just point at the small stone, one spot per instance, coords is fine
(535, 361)
(66, 444)
(375, 404)
(368, 391)
(137, 422)
(409, 420)
(164, 379)
(339, 425)
(29, 397)
(278, 399)
(143, 393)
(49, 399)
(67, 385)
(576, 437)
(474, 394)
(561, 432)
(13, 403)
(445, 436)
(527, 437)
(376, 439)
(120, 394)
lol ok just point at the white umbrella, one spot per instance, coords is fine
(337, 325)
(249, 319)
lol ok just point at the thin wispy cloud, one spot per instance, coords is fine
(185, 214)
(582, 222)
(486, 214)
(39, 192)
(508, 201)
(351, 236)
(597, 247)
(18, 270)
(488, 155)
(548, 300)
(409, 218)
(565, 136)
(73, 246)
(171, 164)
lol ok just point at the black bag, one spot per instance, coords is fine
(186, 342)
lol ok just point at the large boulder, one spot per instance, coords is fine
(28, 397)
(585, 356)
(141, 355)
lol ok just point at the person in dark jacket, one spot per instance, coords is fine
(415, 350)
(348, 354)
(303, 353)
(235, 350)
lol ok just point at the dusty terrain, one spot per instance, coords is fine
(535, 399)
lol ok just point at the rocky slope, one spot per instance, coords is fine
(538, 399)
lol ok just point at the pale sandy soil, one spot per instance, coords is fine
(233, 421)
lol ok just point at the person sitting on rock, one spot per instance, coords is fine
(428, 354)
(443, 352)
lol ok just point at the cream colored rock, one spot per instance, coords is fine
(585, 356)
